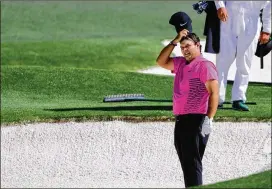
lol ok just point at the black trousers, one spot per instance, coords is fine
(190, 146)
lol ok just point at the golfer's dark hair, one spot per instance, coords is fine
(193, 37)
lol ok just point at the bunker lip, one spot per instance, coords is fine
(133, 119)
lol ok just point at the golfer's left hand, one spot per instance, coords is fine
(264, 37)
(206, 126)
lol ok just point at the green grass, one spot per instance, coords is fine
(69, 20)
(115, 54)
(115, 35)
(259, 180)
(26, 92)
(78, 93)
(41, 39)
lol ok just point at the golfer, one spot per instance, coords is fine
(195, 101)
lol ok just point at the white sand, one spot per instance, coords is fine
(122, 154)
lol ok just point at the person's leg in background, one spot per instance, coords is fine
(225, 57)
(246, 48)
(190, 148)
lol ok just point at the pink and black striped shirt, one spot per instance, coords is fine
(190, 93)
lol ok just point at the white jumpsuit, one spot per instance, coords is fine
(238, 39)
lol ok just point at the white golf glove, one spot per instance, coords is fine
(206, 126)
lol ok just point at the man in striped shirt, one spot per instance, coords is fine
(195, 101)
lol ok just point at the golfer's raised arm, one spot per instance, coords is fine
(164, 60)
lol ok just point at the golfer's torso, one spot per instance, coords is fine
(190, 94)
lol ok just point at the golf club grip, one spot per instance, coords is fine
(262, 62)
(261, 54)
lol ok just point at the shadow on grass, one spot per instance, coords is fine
(126, 108)
(248, 103)
(224, 108)
(114, 108)
(255, 83)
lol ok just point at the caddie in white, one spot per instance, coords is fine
(240, 31)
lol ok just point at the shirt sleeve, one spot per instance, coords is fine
(266, 17)
(219, 4)
(208, 72)
(178, 61)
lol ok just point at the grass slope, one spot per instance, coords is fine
(259, 180)
(71, 93)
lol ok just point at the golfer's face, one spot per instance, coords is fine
(189, 49)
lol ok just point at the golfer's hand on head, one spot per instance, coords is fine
(180, 35)
(222, 14)
(264, 37)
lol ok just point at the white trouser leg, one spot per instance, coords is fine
(225, 57)
(246, 48)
